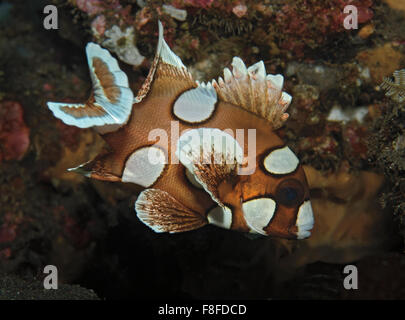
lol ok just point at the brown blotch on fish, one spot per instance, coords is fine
(107, 80)
(90, 109)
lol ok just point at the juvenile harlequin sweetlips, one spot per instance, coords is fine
(209, 173)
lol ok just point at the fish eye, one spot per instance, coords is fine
(290, 193)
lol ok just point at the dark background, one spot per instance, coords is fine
(89, 229)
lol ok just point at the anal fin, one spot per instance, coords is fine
(163, 213)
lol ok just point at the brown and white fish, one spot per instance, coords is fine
(204, 153)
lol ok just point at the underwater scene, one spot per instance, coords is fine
(202, 150)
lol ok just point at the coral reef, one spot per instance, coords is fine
(395, 89)
(387, 148)
(112, 25)
(14, 133)
(348, 133)
(309, 23)
(398, 5)
(122, 44)
(381, 61)
(331, 127)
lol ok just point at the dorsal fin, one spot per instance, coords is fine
(168, 75)
(253, 90)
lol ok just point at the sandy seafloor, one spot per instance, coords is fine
(347, 133)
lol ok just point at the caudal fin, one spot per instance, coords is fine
(110, 103)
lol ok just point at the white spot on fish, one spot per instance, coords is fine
(281, 161)
(258, 213)
(144, 166)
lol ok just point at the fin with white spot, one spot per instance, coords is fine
(258, 213)
(163, 213)
(144, 166)
(253, 90)
(110, 103)
(211, 155)
(220, 217)
(305, 220)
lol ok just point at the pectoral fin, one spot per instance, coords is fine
(163, 213)
(211, 155)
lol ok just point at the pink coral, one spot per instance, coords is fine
(308, 22)
(355, 135)
(199, 3)
(240, 10)
(14, 134)
(363, 10)
(91, 7)
(98, 25)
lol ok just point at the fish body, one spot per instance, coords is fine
(203, 152)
